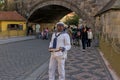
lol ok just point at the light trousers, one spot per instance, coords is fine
(57, 62)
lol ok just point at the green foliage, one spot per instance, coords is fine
(74, 20)
(2, 4)
(7, 5)
(2, 1)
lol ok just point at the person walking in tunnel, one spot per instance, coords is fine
(37, 31)
(90, 37)
(59, 45)
(47, 33)
(29, 31)
(84, 38)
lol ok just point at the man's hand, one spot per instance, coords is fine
(62, 49)
(50, 49)
(55, 50)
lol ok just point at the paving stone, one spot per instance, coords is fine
(87, 65)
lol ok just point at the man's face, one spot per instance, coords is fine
(60, 28)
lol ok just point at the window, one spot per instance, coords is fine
(15, 27)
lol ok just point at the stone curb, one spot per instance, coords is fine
(112, 72)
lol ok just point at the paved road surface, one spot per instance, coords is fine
(19, 59)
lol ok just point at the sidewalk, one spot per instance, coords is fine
(15, 39)
(87, 65)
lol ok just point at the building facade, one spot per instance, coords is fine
(12, 24)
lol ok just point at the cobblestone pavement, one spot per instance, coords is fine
(87, 65)
(19, 59)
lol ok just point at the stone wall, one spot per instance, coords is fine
(108, 27)
(86, 8)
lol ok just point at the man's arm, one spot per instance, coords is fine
(67, 42)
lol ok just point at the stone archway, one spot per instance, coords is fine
(84, 8)
(70, 6)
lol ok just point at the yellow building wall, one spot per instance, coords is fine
(4, 29)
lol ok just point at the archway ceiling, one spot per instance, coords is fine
(49, 14)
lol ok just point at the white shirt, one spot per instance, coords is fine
(90, 35)
(63, 40)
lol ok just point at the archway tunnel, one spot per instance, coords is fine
(49, 14)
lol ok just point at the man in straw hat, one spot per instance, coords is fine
(59, 45)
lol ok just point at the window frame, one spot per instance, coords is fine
(14, 26)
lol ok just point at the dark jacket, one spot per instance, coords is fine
(84, 35)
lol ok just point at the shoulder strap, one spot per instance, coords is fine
(58, 34)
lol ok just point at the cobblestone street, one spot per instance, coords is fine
(87, 65)
(33, 30)
(20, 59)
